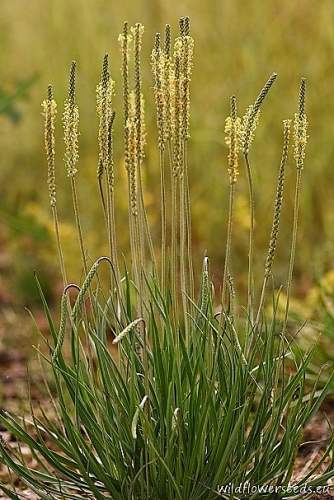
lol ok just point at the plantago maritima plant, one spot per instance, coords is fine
(157, 395)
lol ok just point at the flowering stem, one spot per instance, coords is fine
(250, 285)
(293, 246)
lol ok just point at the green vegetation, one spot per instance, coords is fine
(8, 100)
(164, 387)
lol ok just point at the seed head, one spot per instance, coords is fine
(104, 94)
(49, 107)
(188, 55)
(125, 40)
(128, 329)
(264, 91)
(133, 154)
(110, 155)
(62, 326)
(300, 129)
(85, 288)
(278, 199)
(232, 140)
(158, 59)
(169, 84)
(71, 126)
(168, 41)
(137, 32)
(252, 114)
(248, 127)
(205, 286)
(177, 118)
(184, 24)
(184, 49)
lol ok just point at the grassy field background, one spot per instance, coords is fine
(238, 45)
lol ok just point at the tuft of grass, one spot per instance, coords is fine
(159, 394)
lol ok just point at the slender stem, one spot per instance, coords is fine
(250, 285)
(228, 241)
(276, 217)
(263, 291)
(188, 223)
(81, 244)
(113, 235)
(145, 224)
(183, 272)
(59, 248)
(112, 238)
(232, 296)
(106, 217)
(293, 246)
(142, 221)
(163, 218)
(133, 242)
(137, 226)
(102, 195)
(109, 226)
(78, 223)
(173, 228)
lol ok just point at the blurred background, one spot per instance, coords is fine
(238, 44)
